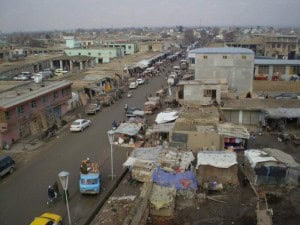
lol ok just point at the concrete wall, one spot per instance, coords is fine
(201, 141)
(244, 117)
(195, 93)
(208, 173)
(236, 68)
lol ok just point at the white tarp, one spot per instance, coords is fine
(144, 155)
(165, 117)
(130, 129)
(218, 159)
(255, 156)
(233, 130)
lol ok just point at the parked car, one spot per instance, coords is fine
(60, 72)
(134, 111)
(47, 219)
(140, 81)
(287, 95)
(80, 125)
(21, 77)
(93, 108)
(7, 165)
(133, 85)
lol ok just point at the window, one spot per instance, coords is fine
(224, 56)
(263, 69)
(44, 99)
(244, 57)
(89, 53)
(192, 60)
(205, 57)
(207, 93)
(129, 46)
(273, 45)
(79, 53)
(20, 110)
(99, 53)
(7, 115)
(33, 104)
(55, 94)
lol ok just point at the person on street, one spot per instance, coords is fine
(51, 193)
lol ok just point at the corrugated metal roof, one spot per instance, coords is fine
(224, 50)
(276, 62)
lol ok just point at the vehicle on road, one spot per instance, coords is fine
(80, 125)
(287, 95)
(140, 81)
(93, 108)
(47, 219)
(133, 85)
(7, 165)
(60, 72)
(89, 181)
(134, 111)
(21, 77)
(105, 99)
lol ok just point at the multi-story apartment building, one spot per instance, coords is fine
(30, 108)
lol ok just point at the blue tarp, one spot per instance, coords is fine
(181, 181)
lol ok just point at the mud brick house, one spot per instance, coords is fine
(29, 108)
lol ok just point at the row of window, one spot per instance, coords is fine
(192, 60)
(283, 46)
(99, 53)
(33, 103)
(224, 57)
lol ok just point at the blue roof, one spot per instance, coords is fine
(277, 62)
(224, 50)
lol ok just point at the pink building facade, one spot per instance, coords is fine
(33, 109)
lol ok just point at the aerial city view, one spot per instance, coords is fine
(161, 112)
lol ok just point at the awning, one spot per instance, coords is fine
(130, 129)
(165, 117)
(218, 159)
(160, 128)
(277, 113)
(233, 130)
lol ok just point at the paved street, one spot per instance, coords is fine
(23, 195)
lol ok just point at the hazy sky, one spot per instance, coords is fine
(34, 15)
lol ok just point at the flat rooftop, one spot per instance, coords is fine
(258, 104)
(26, 91)
(224, 50)
(191, 117)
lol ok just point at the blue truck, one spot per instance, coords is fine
(90, 177)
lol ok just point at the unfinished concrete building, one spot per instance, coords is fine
(234, 64)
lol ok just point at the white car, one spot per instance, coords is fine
(133, 85)
(80, 125)
(21, 77)
(140, 81)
